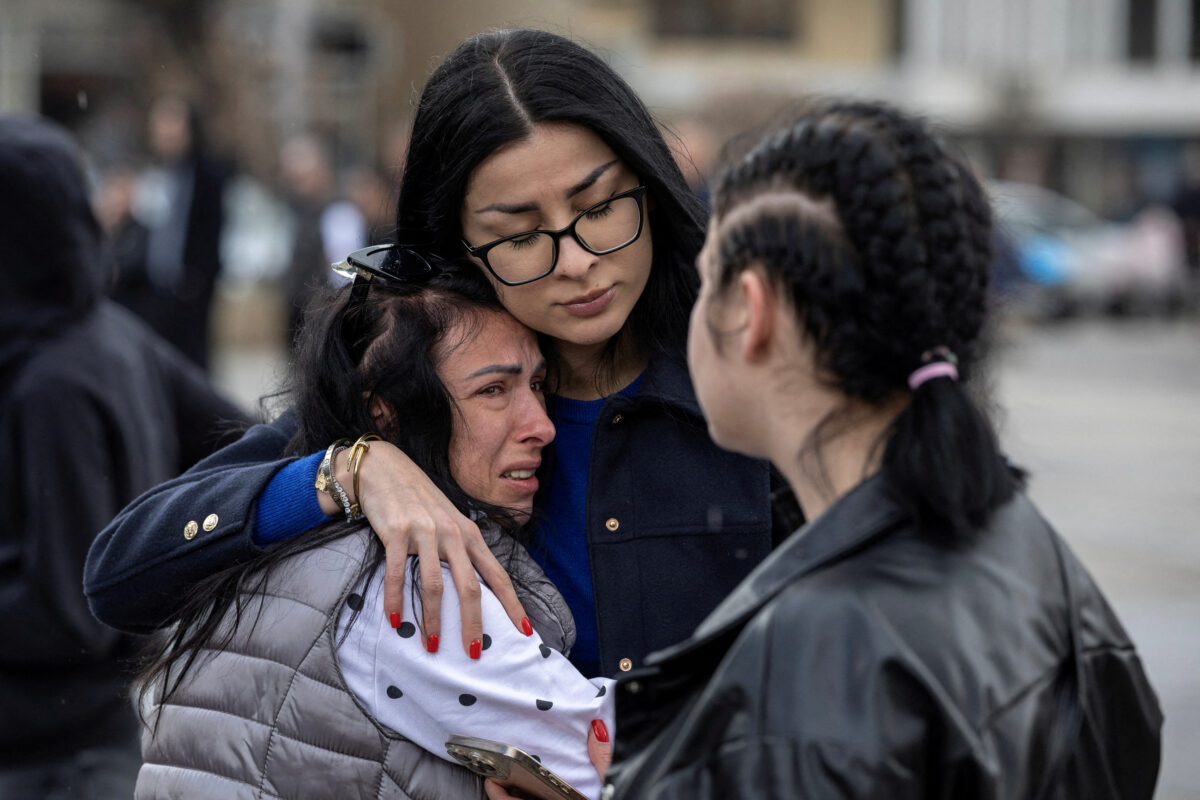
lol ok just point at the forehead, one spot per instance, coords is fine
(553, 156)
(484, 338)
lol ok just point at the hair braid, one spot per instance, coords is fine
(899, 269)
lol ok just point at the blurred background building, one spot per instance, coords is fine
(1097, 101)
(1083, 116)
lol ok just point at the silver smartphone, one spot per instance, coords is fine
(510, 767)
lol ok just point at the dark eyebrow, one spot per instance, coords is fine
(502, 369)
(505, 369)
(592, 177)
(523, 208)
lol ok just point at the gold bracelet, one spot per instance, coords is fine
(357, 451)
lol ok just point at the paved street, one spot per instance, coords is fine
(1106, 416)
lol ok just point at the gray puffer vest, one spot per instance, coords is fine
(270, 716)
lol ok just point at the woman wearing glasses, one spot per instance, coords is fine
(283, 674)
(532, 157)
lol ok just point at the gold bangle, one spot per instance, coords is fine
(357, 451)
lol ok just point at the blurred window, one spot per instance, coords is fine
(1143, 30)
(720, 19)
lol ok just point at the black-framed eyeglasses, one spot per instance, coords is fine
(600, 229)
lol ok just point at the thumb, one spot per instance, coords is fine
(599, 747)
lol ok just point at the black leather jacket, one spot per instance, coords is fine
(863, 659)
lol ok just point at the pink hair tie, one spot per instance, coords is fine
(938, 369)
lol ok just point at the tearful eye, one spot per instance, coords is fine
(538, 385)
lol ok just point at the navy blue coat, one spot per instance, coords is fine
(674, 522)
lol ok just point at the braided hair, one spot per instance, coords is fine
(885, 252)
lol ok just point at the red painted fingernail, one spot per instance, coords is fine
(476, 648)
(431, 643)
(525, 626)
(394, 618)
(600, 729)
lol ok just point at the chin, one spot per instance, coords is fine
(727, 440)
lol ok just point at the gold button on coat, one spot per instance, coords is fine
(210, 522)
(625, 665)
(612, 524)
(617, 418)
(190, 530)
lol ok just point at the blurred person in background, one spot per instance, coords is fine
(325, 225)
(94, 409)
(375, 199)
(181, 201)
(127, 237)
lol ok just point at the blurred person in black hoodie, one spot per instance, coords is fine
(94, 409)
(181, 205)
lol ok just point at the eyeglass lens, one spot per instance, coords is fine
(604, 227)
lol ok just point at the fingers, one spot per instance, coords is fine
(469, 593)
(497, 579)
(497, 792)
(600, 749)
(431, 593)
(396, 558)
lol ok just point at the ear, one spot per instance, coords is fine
(761, 309)
(381, 414)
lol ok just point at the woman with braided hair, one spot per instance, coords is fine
(926, 634)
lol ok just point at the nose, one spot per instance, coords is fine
(573, 260)
(533, 424)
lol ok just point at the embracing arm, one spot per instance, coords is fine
(175, 534)
(140, 565)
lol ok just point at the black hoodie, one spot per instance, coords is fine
(94, 410)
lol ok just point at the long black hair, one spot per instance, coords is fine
(887, 261)
(347, 362)
(491, 91)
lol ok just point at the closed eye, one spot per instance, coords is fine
(599, 212)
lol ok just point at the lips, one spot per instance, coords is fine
(586, 305)
(518, 474)
(522, 471)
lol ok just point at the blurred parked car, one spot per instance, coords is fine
(1069, 260)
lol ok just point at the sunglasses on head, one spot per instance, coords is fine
(389, 263)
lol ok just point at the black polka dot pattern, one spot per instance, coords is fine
(406, 630)
(545, 650)
(394, 692)
(487, 641)
(467, 699)
(355, 601)
(544, 705)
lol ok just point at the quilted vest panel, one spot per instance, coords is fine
(269, 717)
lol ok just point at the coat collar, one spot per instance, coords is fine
(863, 515)
(666, 380)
